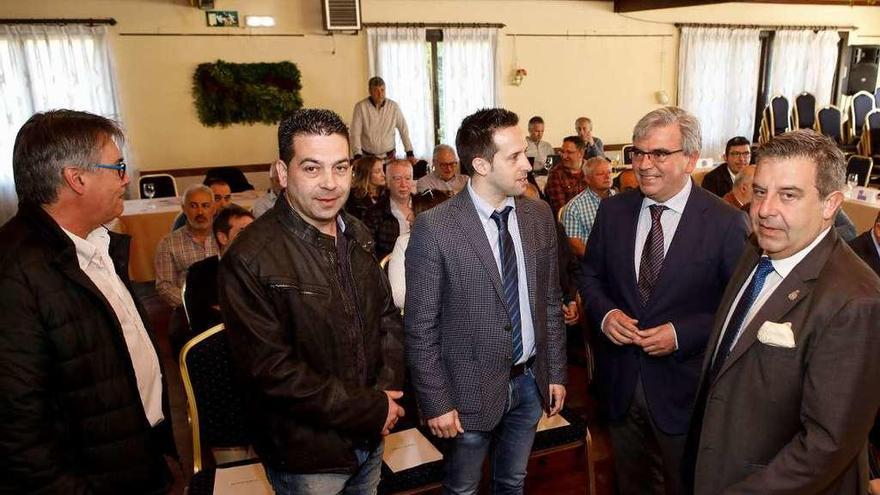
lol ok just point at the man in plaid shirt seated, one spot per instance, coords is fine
(580, 213)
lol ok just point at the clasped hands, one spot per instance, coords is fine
(622, 330)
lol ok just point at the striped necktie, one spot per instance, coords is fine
(510, 279)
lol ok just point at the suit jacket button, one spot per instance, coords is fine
(508, 328)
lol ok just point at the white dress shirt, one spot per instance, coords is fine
(372, 129)
(485, 210)
(402, 221)
(94, 260)
(781, 269)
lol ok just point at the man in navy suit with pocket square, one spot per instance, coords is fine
(485, 339)
(657, 262)
(789, 385)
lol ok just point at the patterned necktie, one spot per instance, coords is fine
(510, 279)
(765, 267)
(652, 255)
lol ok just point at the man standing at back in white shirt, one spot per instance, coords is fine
(373, 124)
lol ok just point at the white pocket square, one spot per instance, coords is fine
(776, 334)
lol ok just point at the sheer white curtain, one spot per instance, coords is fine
(718, 82)
(470, 76)
(804, 60)
(399, 56)
(46, 67)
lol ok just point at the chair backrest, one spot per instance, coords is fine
(420, 169)
(861, 166)
(830, 123)
(804, 111)
(214, 394)
(861, 103)
(627, 153)
(876, 95)
(166, 186)
(871, 144)
(779, 109)
(232, 176)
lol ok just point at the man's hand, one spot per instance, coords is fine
(658, 341)
(621, 329)
(557, 398)
(412, 159)
(395, 412)
(446, 426)
(874, 487)
(570, 313)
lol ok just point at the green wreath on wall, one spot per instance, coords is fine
(227, 93)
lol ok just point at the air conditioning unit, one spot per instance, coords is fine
(342, 15)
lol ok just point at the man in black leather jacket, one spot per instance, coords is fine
(83, 403)
(312, 324)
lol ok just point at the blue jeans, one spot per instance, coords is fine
(508, 445)
(364, 482)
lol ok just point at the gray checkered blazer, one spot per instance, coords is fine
(458, 339)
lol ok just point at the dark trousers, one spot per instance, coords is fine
(646, 460)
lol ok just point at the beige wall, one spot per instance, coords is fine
(611, 78)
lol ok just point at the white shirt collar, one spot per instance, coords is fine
(484, 209)
(93, 246)
(784, 266)
(675, 203)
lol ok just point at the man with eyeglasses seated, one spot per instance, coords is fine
(83, 402)
(737, 155)
(656, 265)
(446, 176)
(567, 180)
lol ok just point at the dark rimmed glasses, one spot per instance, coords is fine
(118, 167)
(657, 156)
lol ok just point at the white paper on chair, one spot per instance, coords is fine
(549, 423)
(407, 449)
(249, 479)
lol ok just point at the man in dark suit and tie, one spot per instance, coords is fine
(657, 262)
(485, 339)
(737, 154)
(867, 246)
(789, 384)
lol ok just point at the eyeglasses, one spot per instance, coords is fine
(657, 156)
(118, 167)
(739, 154)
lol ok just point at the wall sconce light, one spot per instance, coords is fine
(259, 21)
(518, 75)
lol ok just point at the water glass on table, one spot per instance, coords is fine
(852, 181)
(149, 192)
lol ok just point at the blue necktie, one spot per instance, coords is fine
(510, 279)
(765, 267)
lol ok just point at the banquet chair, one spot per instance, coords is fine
(215, 399)
(803, 113)
(626, 154)
(165, 185)
(870, 142)
(876, 95)
(779, 120)
(829, 121)
(861, 166)
(234, 177)
(861, 103)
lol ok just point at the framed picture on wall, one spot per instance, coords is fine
(222, 18)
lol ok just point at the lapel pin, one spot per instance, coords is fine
(793, 295)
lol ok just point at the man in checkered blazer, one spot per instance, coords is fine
(485, 338)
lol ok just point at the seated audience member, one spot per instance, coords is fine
(867, 246)
(83, 402)
(741, 194)
(567, 180)
(445, 176)
(222, 193)
(186, 245)
(736, 156)
(201, 295)
(536, 149)
(392, 215)
(396, 265)
(844, 226)
(367, 186)
(626, 181)
(579, 214)
(265, 203)
(592, 145)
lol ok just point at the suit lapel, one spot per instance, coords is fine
(628, 241)
(525, 222)
(682, 248)
(467, 217)
(795, 288)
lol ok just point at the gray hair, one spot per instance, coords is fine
(50, 141)
(443, 147)
(590, 165)
(748, 170)
(583, 119)
(691, 139)
(817, 148)
(194, 189)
